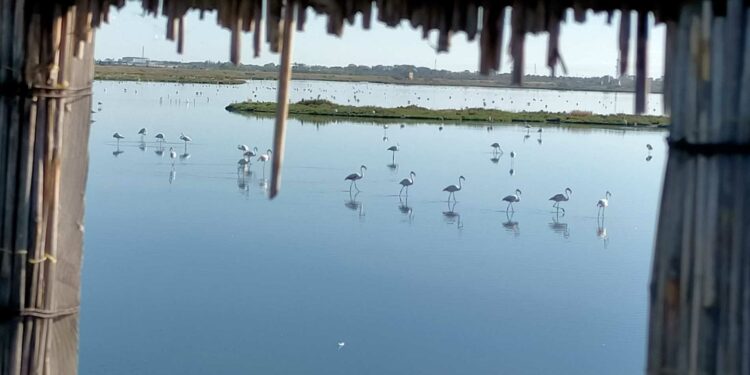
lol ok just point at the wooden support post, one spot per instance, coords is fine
(700, 285)
(45, 102)
(282, 101)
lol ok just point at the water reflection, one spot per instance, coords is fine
(355, 205)
(404, 207)
(559, 227)
(242, 184)
(392, 167)
(510, 225)
(451, 216)
(117, 152)
(648, 158)
(184, 156)
(495, 159)
(601, 231)
(172, 175)
(142, 146)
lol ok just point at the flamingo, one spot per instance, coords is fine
(172, 155)
(243, 148)
(143, 132)
(251, 153)
(185, 139)
(452, 189)
(512, 199)
(118, 137)
(557, 198)
(159, 137)
(405, 183)
(264, 158)
(393, 150)
(603, 203)
(496, 147)
(356, 176)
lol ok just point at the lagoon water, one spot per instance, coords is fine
(190, 269)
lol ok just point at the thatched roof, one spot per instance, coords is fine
(479, 18)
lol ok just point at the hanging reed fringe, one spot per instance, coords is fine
(447, 17)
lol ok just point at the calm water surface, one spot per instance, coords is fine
(190, 269)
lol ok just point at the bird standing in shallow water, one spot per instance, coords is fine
(159, 137)
(356, 176)
(496, 148)
(557, 198)
(185, 139)
(243, 148)
(143, 132)
(603, 203)
(172, 155)
(512, 199)
(118, 137)
(452, 189)
(393, 150)
(405, 183)
(264, 158)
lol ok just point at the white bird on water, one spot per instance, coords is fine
(251, 153)
(185, 138)
(118, 137)
(649, 147)
(603, 203)
(452, 189)
(159, 137)
(557, 198)
(243, 148)
(496, 147)
(512, 199)
(143, 132)
(341, 344)
(405, 183)
(172, 155)
(264, 158)
(356, 176)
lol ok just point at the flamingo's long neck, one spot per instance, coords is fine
(361, 172)
(459, 184)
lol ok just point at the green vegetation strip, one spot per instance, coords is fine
(327, 108)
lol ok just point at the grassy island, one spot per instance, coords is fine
(328, 109)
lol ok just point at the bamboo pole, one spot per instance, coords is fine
(282, 106)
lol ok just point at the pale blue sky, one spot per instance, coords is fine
(588, 49)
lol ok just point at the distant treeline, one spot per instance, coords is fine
(424, 74)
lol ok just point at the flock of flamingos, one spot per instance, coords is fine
(248, 154)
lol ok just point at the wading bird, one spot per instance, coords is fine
(356, 176)
(649, 147)
(185, 139)
(251, 153)
(557, 198)
(143, 132)
(264, 158)
(405, 183)
(496, 148)
(118, 137)
(512, 199)
(603, 203)
(393, 150)
(159, 137)
(243, 148)
(452, 189)
(172, 155)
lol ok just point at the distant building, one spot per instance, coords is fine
(136, 61)
(410, 75)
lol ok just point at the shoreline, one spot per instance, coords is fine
(322, 109)
(238, 77)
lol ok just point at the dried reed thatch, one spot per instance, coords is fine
(483, 18)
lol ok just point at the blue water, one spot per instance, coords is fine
(190, 269)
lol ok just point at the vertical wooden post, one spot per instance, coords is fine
(700, 286)
(46, 72)
(282, 101)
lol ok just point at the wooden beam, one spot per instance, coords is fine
(282, 108)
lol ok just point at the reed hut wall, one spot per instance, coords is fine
(700, 296)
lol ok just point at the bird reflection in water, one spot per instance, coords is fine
(404, 207)
(559, 227)
(392, 167)
(117, 152)
(184, 156)
(451, 216)
(142, 146)
(510, 225)
(648, 158)
(172, 175)
(525, 137)
(355, 205)
(601, 231)
(242, 184)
